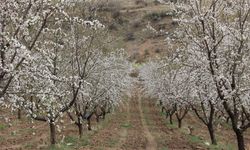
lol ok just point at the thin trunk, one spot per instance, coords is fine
(234, 120)
(104, 115)
(80, 129)
(19, 113)
(79, 125)
(97, 118)
(240, 139)
(52, 133)
(89, 124)
(167, 114)
(211, 133)
(171, 118)
(228, 119)
(162, 109)
(179, 123)
(161, 103)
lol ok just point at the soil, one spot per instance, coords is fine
(137, 124)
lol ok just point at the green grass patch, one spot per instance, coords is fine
(13, 133)
(60, 147)
(2, 127)
(221, 146)
(137, 65)
(195, 139)
(126, 125)
(112, 142)
(29, 146)
(70, 140)
(172, 126)
(164, 148)
(2, 138)
(163, 113)
(84, 141)
(226, 126)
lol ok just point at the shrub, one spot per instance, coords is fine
(116, 14)
(136, 23)
(155, 16)
(112, 26)
(130, 36)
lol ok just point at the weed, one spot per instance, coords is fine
(2, 127)
(71, 140)
(59, 147)
(172, 126)
(112, 142)
(85, 141)
(129, 36)
(164, 148)
(195, 139)
(29, 146)
(163, 113)
(126, 125)
(69, 143)
(221, 146)
(13, 133)
(155, 16)
(2, 138)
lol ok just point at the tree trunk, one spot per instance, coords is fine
(240, 139)
(211, 133)
(227, 120)
(97, 118)
(171, 118)
(179, 123)
(104, 115)
(166, 115)
(89, 124)
(161, 103)
(19, 113)
(80, 129)
(52, 133)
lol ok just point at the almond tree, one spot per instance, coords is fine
(179, 87)
(108, 82)
(169, 82)
(45, 88)
(94, 65)
(54, 78)
(21, 25)
(156, 86)
(216, 33)
(205, 101)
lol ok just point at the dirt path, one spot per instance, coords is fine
(124, 132)
(113, 133)
(138, 125)
(127, 129)
(136, 138)
(151, 145)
